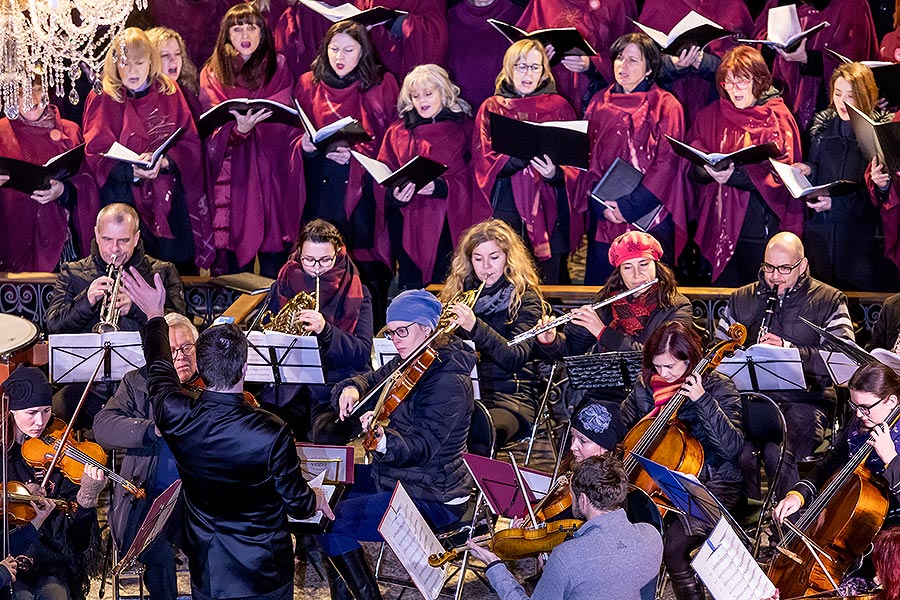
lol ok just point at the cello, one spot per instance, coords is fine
(842, 521)
(663, 438)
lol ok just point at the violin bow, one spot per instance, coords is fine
(523, 488)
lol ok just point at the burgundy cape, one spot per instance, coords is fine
(632, 127)
(375, 109)
(720, 127)
(889, 46)
(535, 199)
(851, 33)
(340, 289)
(34, 233)
(476, 47)
(299, 33)
(423, 38)
(601, 22)
(258, 191)
(142, 124)
(196, 20)
(446, 142)
(890, 212)
(692, 90)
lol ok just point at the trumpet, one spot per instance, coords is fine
(109, 312)
(539, 329)
(771, 303)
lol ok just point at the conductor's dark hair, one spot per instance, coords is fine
(603, 480)
(221, 355)
(368, 69)
(647, 47)
(875, 378)
(676, 338)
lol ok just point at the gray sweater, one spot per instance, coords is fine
(609, 558)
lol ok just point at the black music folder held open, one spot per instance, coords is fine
(566, 41)
(377, 15)
(346, 131)
(126, 155)
(876, 139)
(719, 161)
(28, 177)
(783, 29)
(800, 187)
(565, 142)
(220, 114)
(419, 171)
(692, 30)
(619, 181)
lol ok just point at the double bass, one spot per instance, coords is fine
(665, 439)
(842, 521)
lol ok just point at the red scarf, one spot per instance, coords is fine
(631, 315)
(663, 391)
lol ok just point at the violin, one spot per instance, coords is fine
(39, 452)
(19, 499)
(517, 543)
(665, 439)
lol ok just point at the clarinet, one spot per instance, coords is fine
(771, 303)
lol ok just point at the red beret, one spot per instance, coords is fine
(634, 244)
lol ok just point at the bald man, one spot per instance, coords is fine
(799, 295)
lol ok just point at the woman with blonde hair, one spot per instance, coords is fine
(139, 108)
(177, 64)
(536, 198)
(425, 224)
(510, 303)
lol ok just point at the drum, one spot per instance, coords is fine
(17, 336)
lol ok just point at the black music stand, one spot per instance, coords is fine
(765, 368)
(279, 358)
(604, 370)
(73, 355)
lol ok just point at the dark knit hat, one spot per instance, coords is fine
(601, 423)
(27, 387)
(415, 306)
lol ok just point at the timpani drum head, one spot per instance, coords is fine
(16, 334)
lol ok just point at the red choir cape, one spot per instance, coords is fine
(257, 187)
(34, 233)
(340, 289)
(142, 124)
(299, 33)
(196, 20)
(720, 127)
(423, 38)
(633, 127)
(446, 142)
(476, 47)
(535, 199)
(600, 22)
(375, 109)
(851, 33)
(692, 90)
(889, 46)
(890, 212)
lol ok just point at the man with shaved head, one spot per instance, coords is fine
(785, 272)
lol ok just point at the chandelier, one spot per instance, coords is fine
(58, 40)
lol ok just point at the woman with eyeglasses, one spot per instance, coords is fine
(832, 219)
(537, 197)
(510, 303)
(712, 416)
(629, 121)
(740, 208)
(342, 325)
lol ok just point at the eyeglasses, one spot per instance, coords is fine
(740, 84)
(783, 269)
(400, 332)
(325, 261)
(186, 350)
(523, 68)
(864, 410)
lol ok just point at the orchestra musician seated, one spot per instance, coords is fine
(126, 422)
(421, 448)
(82, 288)
(54, 567)
(608, 558)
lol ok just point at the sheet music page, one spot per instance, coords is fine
(777, 368)
(728, 569)
(74, 356)
(383, 351)
(408, 535)
(302, 365)
(840, 366)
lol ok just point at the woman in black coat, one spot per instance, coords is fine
(510, 303)
(712, 415)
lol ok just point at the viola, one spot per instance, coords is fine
(517, 543)
(19, 499)
(665, 439)
(39, 452)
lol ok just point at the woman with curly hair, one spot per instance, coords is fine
(510, 303)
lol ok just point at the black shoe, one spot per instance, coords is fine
(336, 585)
(686, 587)
(354, 569)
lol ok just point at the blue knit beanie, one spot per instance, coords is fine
(415, 306)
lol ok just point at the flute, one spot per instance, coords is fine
(539, 329)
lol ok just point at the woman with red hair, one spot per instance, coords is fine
(886, 558)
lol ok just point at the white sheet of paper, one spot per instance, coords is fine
(332, 13)
(728, 569)
(74, 356)
(840, 366)
(299, 367)
(383, 350)
(408, 535)
(789, 368)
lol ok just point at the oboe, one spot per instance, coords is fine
(539, 329)
(771, 303)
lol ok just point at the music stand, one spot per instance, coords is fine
(701, 509)
(279, 358)
(73, 355)
(383, 351)
(151, 527)
(765, 368)
(604, 370)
